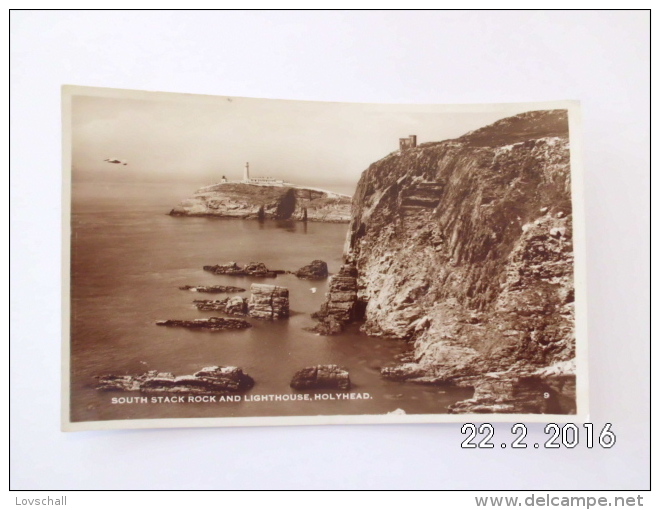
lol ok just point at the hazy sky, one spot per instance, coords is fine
(198, 139)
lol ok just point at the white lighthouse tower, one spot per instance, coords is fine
(246, 173)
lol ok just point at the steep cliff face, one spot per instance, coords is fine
(464, 247)
(241, 200)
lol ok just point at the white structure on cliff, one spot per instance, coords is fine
(259, 180)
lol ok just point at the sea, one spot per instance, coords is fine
(129, 258)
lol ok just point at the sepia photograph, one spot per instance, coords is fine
(238, 261)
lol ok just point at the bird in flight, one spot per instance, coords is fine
(116, 161)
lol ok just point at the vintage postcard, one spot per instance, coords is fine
(235, 261)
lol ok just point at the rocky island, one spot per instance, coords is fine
(464, 249)
(255, 200)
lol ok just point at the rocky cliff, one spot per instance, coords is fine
(262, 201)
(464, 248)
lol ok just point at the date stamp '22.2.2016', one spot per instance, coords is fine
(566, 436)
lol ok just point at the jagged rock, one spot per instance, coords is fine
(268, 302)
(452, 255)
(112, 382)
(212, 323)
(265, 302)
(340, 306)
(317, 270)
(236, 306)
(321, 377)
(251, 269)
(209, 380)
(214, 289)
(211, 305)
(253, 201)
(228, 268)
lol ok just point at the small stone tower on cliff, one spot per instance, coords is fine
(246, 173)
(408, 143)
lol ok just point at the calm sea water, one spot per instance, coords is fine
(128, 260)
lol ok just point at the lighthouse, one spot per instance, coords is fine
(259, 181)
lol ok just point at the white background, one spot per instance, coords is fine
(600, 58)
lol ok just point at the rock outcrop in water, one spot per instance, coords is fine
(258, 269)
(235, 305)
(211, 305)
(321, 377)
(211, 324)
(340, 306)
(257, 201)
(268, 302)
(212, 289)
(209, 380)
(265, 302)
(316, 270)
(464, 248)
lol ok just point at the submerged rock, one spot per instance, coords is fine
(212, 323)
(208, 380)
(321, 377)
(213, 289)
(250, 269)
(268, 302)
(316, 270)
(327, 326)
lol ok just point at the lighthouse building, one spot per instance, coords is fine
(259, 180)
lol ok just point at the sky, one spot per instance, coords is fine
(199, 139)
